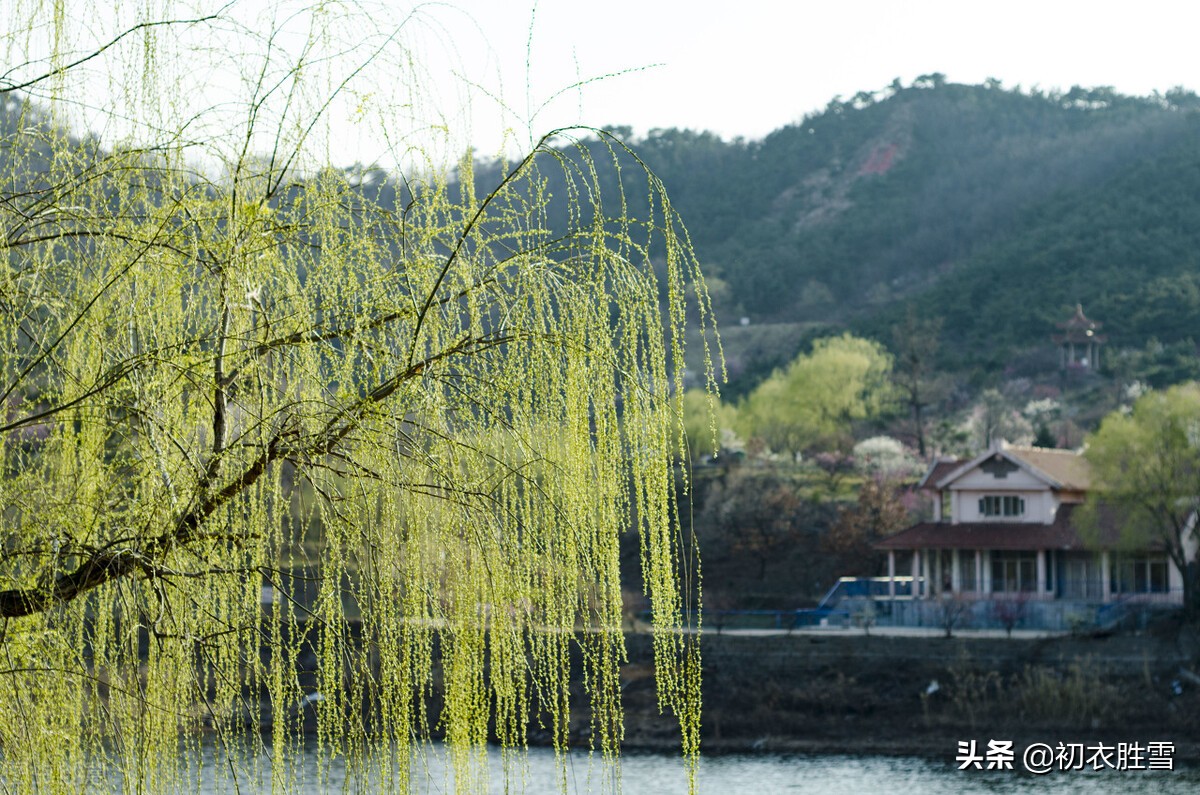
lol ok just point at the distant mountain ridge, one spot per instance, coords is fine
(995, 209)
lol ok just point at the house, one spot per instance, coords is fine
(1006, 526)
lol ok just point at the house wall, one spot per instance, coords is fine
(1040, 506)
(1191, 544)
(1041, 503)
(1175, 577)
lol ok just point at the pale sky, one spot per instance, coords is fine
(739, 68)
(745, 68)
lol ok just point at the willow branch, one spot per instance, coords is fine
(7, 85)
(110, 564)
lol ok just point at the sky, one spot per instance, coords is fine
(739, 69)
(746, 68)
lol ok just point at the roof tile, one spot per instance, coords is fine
(1061, 534)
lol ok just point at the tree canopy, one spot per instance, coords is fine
(813, 401)
(277, 432)
(1146, 468)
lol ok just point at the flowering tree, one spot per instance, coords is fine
(230, 369)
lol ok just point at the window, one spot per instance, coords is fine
(1014, 572)
(996, 505)
(966, 570)
(1140, 575)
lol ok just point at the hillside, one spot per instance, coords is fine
(997, 210)
(994, 209)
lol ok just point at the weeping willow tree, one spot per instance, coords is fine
(339, 453)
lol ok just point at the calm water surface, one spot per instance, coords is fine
(653, 774)
(802, 775)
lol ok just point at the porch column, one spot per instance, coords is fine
(979, 571)
(1041, 573)
(916, 574)
(987, 574)
(891, 574)
(1105, 578)
(955, 572)
(935, 572)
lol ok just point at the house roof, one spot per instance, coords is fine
(940, 468)
(1060, 469)
(1061, 534)
(1067, 467)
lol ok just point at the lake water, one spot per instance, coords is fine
(816, 775)
(655, 774)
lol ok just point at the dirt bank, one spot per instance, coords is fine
(851, 693)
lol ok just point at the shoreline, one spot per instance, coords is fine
(919, 694)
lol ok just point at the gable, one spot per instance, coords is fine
(998, 469)
(992, 477)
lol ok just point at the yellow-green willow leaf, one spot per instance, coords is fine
(290, 446)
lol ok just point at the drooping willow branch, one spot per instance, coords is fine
(8, 84)
(432, 424)
(106, 565)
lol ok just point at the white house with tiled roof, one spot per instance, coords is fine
(1003, 527)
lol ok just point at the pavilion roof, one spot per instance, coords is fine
(1079, 321)
(1079, 329)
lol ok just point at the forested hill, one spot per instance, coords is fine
(995, 209)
